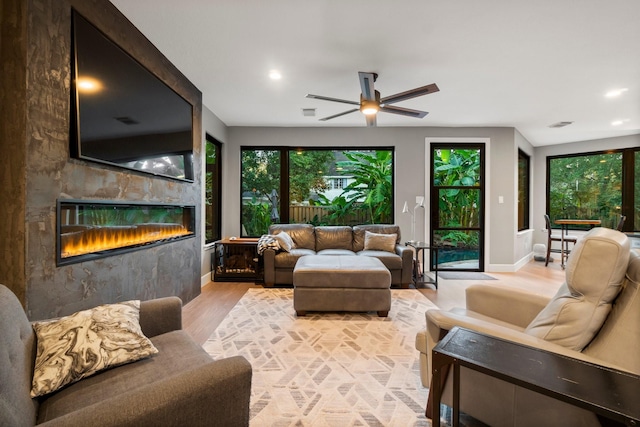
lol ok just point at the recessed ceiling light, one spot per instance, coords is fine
(615, 92)
(275, 75)
(619, 122)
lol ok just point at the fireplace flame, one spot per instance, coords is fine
(90, 239)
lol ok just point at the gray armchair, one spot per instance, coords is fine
(603, 280)
(181, 385)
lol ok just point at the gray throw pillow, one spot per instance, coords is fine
(380, 242)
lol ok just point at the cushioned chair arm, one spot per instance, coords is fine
(448, 321)
(406, 253)
(216, 394)
(269, 259)
(160, 315)
(514, 306)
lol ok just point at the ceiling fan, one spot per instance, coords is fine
(370, 101)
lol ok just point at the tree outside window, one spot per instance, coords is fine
(305, 191)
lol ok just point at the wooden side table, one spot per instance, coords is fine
(604, 391)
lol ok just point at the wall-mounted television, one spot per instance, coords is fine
(123, 114)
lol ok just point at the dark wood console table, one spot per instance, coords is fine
(604, 391)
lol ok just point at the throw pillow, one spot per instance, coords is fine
(286, 242)
(380, 242)
(74, 347)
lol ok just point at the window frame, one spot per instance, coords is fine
(284, 196)
(524, 206)
(213, 217)
(627, 180)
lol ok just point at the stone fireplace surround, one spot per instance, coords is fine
(35, 135)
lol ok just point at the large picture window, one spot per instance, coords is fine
(319, 186)
(593, 186)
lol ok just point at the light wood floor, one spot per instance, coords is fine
(202, 315)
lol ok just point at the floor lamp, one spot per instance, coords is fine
(405, 209)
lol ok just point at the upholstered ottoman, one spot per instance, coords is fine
(341, 283)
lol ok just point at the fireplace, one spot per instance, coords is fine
(90, 229)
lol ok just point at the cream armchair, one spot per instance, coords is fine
(595, 316)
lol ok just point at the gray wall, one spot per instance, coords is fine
(212, 125)
(410, 165)
(36, 59)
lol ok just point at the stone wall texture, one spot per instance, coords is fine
(36, 93)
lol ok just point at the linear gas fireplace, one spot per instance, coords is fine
(89, 229)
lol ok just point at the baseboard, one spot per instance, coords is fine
(205, 279)
(509, 268)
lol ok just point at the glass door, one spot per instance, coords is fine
(457, 205)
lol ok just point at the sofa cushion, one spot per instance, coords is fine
(380, 242)
(595, 271)
(359, 233)
(77, 346)
(346, 252)
(334, 237)
(303, 235)
(391, 261)
(177, 353)
(289, 259)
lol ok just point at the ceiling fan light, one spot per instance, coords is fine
(369, 108)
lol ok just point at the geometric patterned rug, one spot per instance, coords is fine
(327, 369)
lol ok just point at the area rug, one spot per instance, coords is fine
(464, 275)
(327, 369)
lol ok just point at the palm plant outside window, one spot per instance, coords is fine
(305, 183)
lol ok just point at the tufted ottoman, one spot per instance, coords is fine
(341, 283)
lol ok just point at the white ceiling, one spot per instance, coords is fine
(516, 63)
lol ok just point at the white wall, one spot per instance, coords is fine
(540, 172)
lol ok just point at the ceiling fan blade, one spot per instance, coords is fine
(413, 93)
(404, 111)
(366, 83)
(371, 120)
(339, 114)
(326, 98)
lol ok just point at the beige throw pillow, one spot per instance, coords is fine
(74, 347)
(380, 242)
(285, 241)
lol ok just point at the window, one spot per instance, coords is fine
(594, 186)
(212, 199)
(315, 185)
(523, 190)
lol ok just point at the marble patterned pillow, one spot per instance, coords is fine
(74, 347)
(380, 242)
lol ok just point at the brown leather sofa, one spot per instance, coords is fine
(602, 284)
(335, 240)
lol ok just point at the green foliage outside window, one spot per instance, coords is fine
(368, 199)
(586, 187)
(457, 173)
